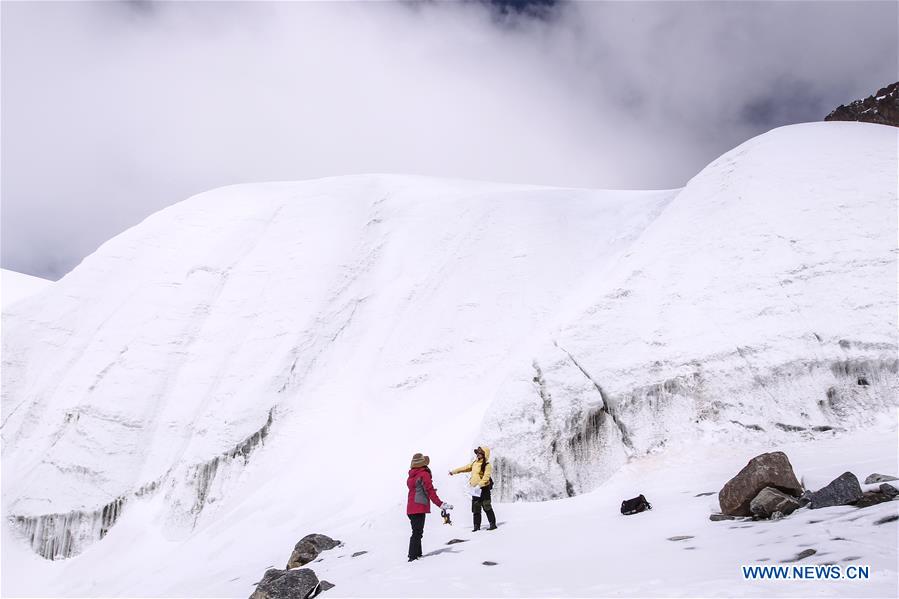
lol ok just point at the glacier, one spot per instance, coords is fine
(260, 361)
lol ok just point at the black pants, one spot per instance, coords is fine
(418, 529)
(479, 503)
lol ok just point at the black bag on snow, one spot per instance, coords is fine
(635, 505)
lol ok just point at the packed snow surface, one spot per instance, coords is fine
(260, 362)
(16, 286)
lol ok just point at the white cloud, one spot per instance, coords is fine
(112, 111)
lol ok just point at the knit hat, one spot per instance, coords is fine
(419, 461)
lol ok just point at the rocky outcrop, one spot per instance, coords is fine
(881, 108)
(308, 548)
(287, 584)
(842, 490)
(770, 501)
(766, 470)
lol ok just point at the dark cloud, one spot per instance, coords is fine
(111, 111)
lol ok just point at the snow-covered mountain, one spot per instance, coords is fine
(260, 361)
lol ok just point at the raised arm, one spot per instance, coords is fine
(462, 469)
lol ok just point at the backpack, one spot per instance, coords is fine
(635, 505)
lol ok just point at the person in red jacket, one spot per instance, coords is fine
(418, 505)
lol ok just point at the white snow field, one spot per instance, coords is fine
(16, 286)
(260, 362)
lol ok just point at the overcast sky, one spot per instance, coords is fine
(111, 111)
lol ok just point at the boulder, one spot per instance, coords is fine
(887, 492)
(287, 584)
(308, 548)
(842, 490)
(770, 501)
(879, 478)
(766, 470)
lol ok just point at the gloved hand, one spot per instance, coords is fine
(446, 506)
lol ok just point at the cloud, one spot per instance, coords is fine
(111, 111)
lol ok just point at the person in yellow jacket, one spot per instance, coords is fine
(481, 482)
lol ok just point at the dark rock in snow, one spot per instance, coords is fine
(358, 553)
(873, 498)
(770, 500)
(842, 490)
(889, 490)
(881, 108)
(790, 428)
(800, 556)
(704, 494)
(680, 538)
(766, 470)
(489, 563)
(891, 518)
(879, 478)
(287, 584)
(719, 517)
(308, 548)
(454, 541)
(327, 585)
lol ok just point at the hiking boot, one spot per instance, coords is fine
(475, 529)
(492, 527)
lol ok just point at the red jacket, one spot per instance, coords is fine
(421, 490)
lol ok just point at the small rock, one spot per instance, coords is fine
(286, 584)
(769, 501)
(358, 553)
(308, 548)
(891, 518)
(680, 538)
(704, 494)
(800, 556)
(850, 558)
(879, 478)
(842, 490)
(719, 517)
(765, 470)
(872, 498)
(777, 515)
(889, 490)
(326, 586)
(454, 541)
(489, 563)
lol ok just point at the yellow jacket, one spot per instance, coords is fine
(476, 479)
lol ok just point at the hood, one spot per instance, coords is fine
(486, 451)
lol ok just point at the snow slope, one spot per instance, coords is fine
(761, 302)
(260, 362)
(15, 286)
